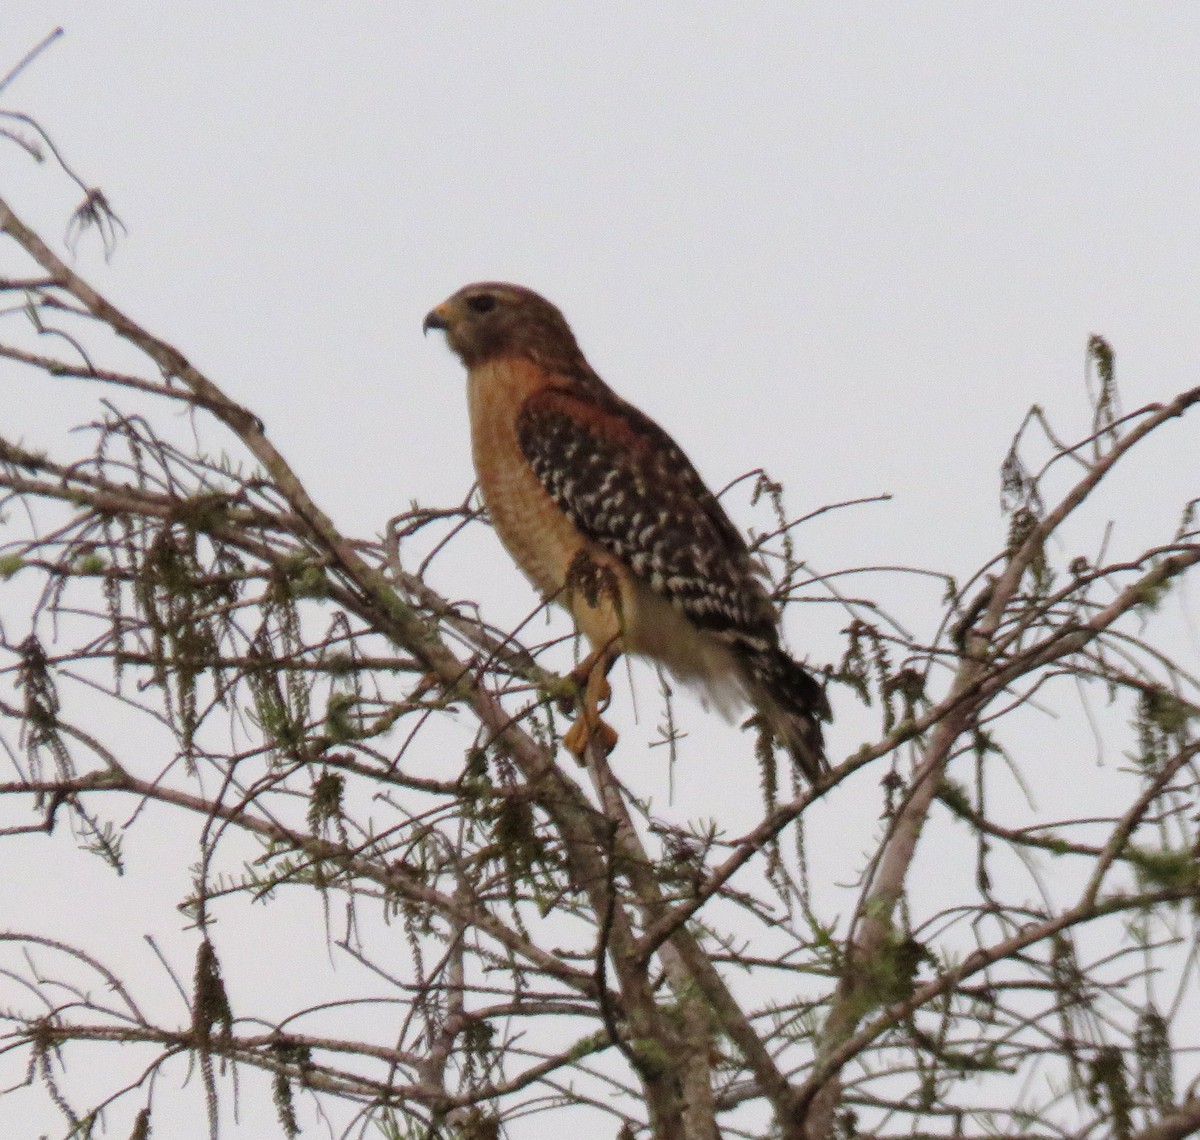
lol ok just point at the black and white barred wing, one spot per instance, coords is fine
(629, 488)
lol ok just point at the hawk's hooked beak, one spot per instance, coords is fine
(434, 319)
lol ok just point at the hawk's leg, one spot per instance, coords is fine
(592, 676)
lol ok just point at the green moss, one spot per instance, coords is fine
(1150, 595)
(10, 564)
(1170, 870)
(325, 801)
(652, 1058)
(339, 725)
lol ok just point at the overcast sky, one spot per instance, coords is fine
(849, 243)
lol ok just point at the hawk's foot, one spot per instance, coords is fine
(582, 733)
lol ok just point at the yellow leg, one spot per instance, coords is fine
(592, 674)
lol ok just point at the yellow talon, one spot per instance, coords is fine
(581, 734)
(592, 677)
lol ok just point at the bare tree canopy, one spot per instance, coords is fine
(186, 636)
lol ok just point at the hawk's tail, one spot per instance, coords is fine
(791, 702)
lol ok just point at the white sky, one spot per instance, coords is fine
(848, 243)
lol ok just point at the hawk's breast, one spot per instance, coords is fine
(539, 536)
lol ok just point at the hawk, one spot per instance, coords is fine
(607, 517)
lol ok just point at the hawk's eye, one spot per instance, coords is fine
(481, 303)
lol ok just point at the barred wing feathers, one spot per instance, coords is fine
(627, 486)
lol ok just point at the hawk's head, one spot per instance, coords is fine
(491, 319)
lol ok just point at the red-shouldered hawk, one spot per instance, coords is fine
(606, 516)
